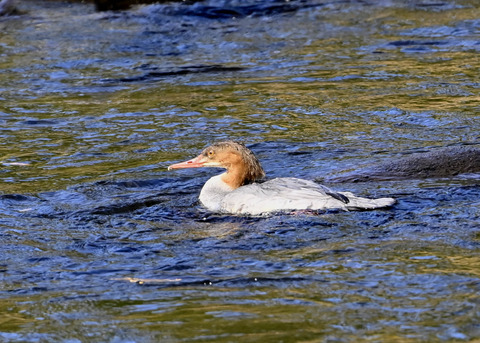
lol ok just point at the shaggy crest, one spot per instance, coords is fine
(254, 170)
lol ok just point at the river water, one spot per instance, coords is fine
(100, 243)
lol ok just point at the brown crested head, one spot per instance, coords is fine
(237, 159)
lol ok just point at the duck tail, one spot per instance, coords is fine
(358, 203)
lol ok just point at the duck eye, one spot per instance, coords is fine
(210, 153)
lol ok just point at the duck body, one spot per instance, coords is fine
(280, 195)
(237, 192)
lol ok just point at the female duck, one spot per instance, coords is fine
(236, 192)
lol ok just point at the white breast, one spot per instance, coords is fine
(213, 193)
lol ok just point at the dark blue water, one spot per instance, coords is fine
(100, 243)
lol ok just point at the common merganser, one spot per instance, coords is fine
(236, 191)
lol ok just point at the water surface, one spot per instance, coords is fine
(100, 243)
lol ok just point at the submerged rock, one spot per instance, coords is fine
(222, 10)
(117, 5)
(438, 163)
(7, 7)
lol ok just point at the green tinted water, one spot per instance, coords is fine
(87, 206)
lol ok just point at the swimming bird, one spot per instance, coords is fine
(237, 191)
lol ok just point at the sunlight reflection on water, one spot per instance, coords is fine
(94, 106)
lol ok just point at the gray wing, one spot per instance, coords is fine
(282, 194)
